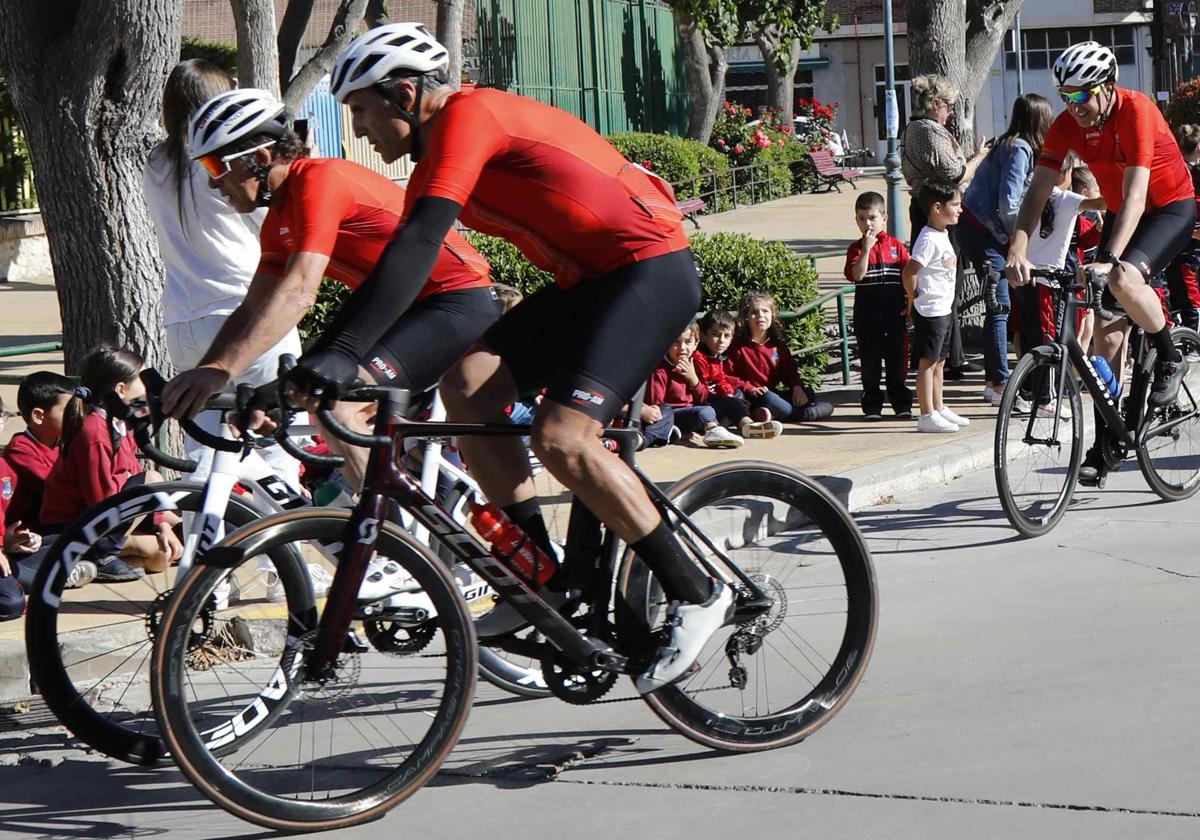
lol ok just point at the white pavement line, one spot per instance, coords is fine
(905, 797)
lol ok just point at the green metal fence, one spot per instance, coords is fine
(616, 64)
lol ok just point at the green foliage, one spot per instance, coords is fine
(509, 266)
(1184, 106)
(732, 264)
(220, 53)
(789, 169)
(16, 178)
(678, 160)
(330, 298)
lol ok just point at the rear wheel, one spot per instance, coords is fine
(1036, 469)
(775, 679)
(270, 741)
(1168, 449)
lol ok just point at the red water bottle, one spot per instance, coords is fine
(511, 545)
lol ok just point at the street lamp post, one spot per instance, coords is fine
(892, 122)
(1020, 54)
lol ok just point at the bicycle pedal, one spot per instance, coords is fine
(354, 643)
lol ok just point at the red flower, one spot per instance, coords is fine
(780, 141)
(739, 149)
(648, 165)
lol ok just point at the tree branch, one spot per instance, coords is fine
(291, 33)
(377, 13)
(345, 22)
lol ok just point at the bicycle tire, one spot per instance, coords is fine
(242, 790)
(1154, 454)
(505, 674)
(1032, 517)
(109, 732)
(740, 488)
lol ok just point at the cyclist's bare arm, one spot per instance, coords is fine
(1133, 205)
(1041, 187)
(273, 306)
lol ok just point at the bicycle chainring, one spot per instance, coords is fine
(397, 639)
(202, 629)
(572, 684)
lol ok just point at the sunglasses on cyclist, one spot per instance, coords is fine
(1079, 97)
(217, 166)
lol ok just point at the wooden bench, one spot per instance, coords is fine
(689, 207)
(830, 175)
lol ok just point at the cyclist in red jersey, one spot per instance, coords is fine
(332, 218)
(1144, 181)
(626, 287)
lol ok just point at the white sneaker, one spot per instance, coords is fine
(991, 396)
(384, 578)
(83, 574)
(947, 414)
(1047, 410)
(718, 437)
(1021, 405)
(934, 422)
(764, 430)
(692, 625)
(320, 577)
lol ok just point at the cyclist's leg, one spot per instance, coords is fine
(423, 343)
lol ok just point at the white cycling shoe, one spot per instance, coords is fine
(383, 579)
(692, 625)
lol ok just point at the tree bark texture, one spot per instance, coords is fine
(345, 23)
(959, 40)
(377, 13)
(258, 56)
(781, 71)
(86, 77)
(705, 66)
(291, 32)
(449, 32)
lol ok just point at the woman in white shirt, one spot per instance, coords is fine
(210, 251)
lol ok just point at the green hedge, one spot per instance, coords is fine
(791, 169)
(732, 264)
(509, 266)
(330, 298)
(676, 159)
(220, 53)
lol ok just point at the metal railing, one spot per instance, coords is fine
(724, 189)
(844, 339)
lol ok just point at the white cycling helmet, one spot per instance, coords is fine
(381, 52)
(1085, 65)
(232, 116)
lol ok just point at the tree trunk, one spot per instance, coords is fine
(86, 77)
(258, 56)
(705, 66)
(291, 32)
(449, 32)
(959, 40)
(345, 22)
(781, 71)
(377, 13)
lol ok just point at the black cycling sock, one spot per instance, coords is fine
(527, 516)
(1165, 347)
(680, 577)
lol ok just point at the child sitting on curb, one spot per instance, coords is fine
(675, 405)
(98, 460)
(41, 398)
(761, 364)
(716, 335)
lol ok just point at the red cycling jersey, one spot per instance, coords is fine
(1134, 135)
(548, 183)
(349, 213)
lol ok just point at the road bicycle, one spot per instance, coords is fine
(95, 678)
(1037, 454)
(309, 732)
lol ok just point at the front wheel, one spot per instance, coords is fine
(776, 679)
(293, 750)
(1038, 451)
(1168, 448)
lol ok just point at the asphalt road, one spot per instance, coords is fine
(1040, 688)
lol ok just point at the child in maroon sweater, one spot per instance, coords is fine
(16, 544)
(677, 399)
(716, 335)
(761, 364)
(41, 398)
(98, 460)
